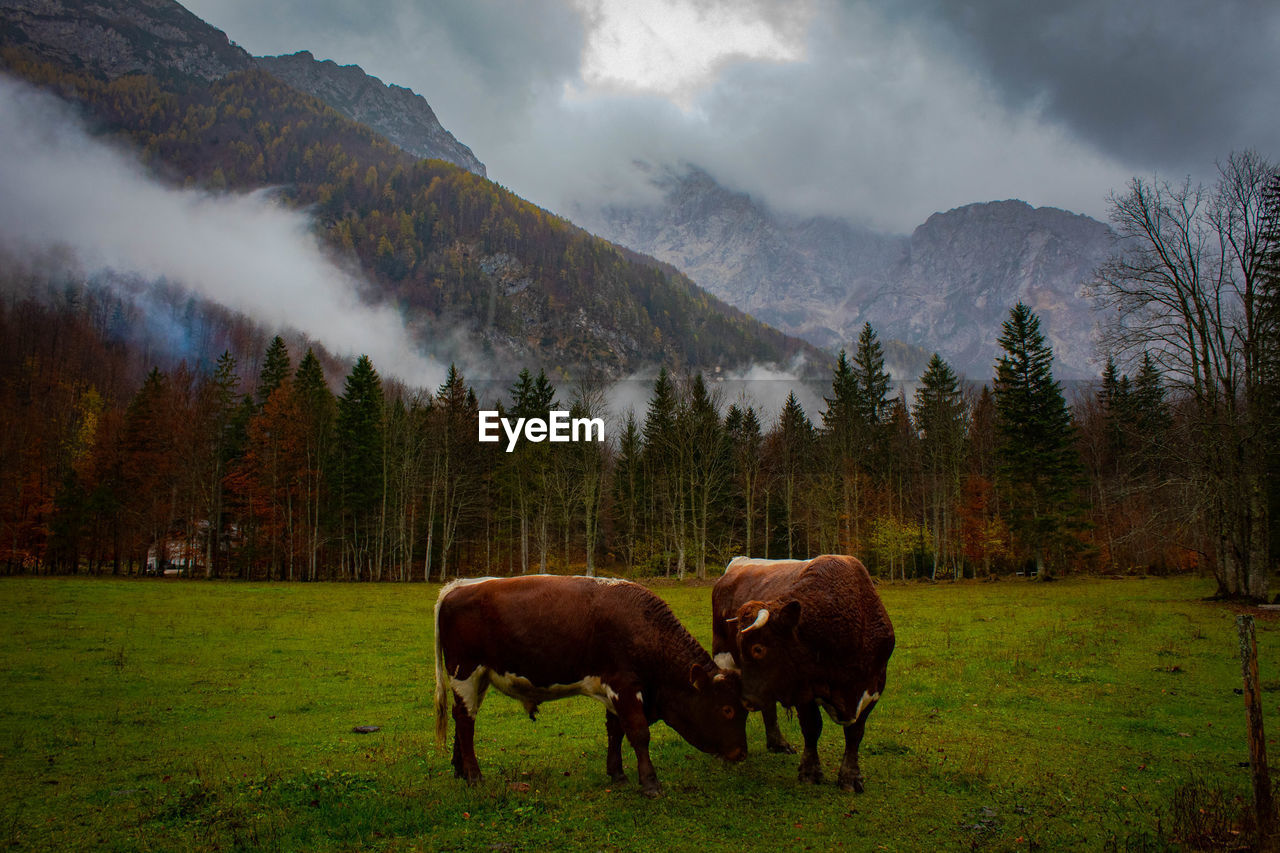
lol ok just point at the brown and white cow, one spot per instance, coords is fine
(543, 637)
(808, 634)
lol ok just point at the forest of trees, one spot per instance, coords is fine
(274, 476)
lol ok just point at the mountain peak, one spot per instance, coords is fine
(399, 114)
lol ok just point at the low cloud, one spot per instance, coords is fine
(63, 191)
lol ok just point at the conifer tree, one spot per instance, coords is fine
(940, 418)
(628, 490)
(530, 464)
(793, 445)
(1118, 406)
(359, 436)
(743, 428)
(663, 452)
(840, 417)
(275, 370)
(224, 432)
(455, 480)
(1037, 457)
(703, 434)
(871, 389)
(318, 411)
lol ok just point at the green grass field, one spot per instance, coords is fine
(170, 715)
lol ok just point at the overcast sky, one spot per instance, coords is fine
(882, 111)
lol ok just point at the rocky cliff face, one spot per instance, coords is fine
(118, 37)
(962, 270)
(402, 116)
(948, 287)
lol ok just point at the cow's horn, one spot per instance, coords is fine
(761, 618)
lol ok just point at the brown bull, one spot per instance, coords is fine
(808, 634)
(543, 637)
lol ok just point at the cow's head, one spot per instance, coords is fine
(767, 649)
(710, 715)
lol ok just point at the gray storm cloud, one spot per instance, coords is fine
(894, 111)
(62, 190)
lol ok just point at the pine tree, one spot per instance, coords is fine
(663, 458)
(709, 463)
(840, 417)
(318, 411)
(1116, 400)
(628, 490)
(275, 370)
(793, 446)
(358, 466)
(457, 468)
(940, 417)
(226, 443)
(871, 384)
(1036, 452)
(530, 464)
(743, 428)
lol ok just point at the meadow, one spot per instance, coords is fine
(181, 715)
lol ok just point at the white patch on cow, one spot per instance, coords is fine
(747, 562)
(724, 660)
(866, 700)
(761, 618)
(471, 689)
(454, 584)
(610, 581)
(530, 695)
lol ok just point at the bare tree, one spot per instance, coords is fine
(1185, 284)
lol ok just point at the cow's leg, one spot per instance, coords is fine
(635, 726)
(773, 739)
(850, 778)
(613, 759)
(465, 765)
(811, 728)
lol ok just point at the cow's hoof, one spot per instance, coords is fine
(811, 773)
(618, 778)
(854, 784)
(780, 746)
(652, 791)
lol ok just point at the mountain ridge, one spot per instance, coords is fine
(524, 284)
(947, 286)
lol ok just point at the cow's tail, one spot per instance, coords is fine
(442, 690)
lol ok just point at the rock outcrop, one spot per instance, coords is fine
(398, 114)
(117, 37)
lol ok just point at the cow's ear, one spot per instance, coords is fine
(789, 616)
(698, 677)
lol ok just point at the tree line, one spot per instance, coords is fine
(280, 478)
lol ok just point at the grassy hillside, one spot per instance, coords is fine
(180, 715)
